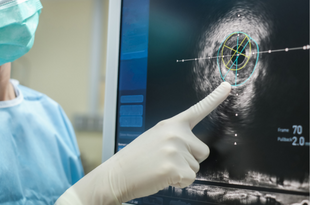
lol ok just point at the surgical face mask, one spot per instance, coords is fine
(18, 22)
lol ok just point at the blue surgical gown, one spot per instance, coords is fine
(39, 156)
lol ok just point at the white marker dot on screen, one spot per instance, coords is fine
(235, 135)
(177, 60)
(237, 74)
(235, 143)
(238, 15)
(236, 114)
(195, 59)
(305, 47)
(269, 51)
(183, 60)
(237, 94)
(308, 46)
(286, 49)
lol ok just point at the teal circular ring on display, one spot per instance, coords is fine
(218, 57)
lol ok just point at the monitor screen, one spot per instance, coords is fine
(174, 53)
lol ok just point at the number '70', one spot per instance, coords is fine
(297, 129)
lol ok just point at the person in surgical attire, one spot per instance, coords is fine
(39, 157)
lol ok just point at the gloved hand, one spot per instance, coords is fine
(166, 155)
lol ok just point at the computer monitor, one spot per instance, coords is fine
(165, 55)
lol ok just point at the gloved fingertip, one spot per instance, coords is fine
(226, 85)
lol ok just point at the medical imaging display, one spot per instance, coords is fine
(259, 136)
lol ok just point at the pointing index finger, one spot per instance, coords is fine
(199, 111)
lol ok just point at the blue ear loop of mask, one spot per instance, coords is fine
(19, 20)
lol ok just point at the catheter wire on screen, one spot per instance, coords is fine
(307, 47)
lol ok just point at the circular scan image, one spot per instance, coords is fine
(233, 40)
(237, 58)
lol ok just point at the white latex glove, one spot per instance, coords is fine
(166, 155)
